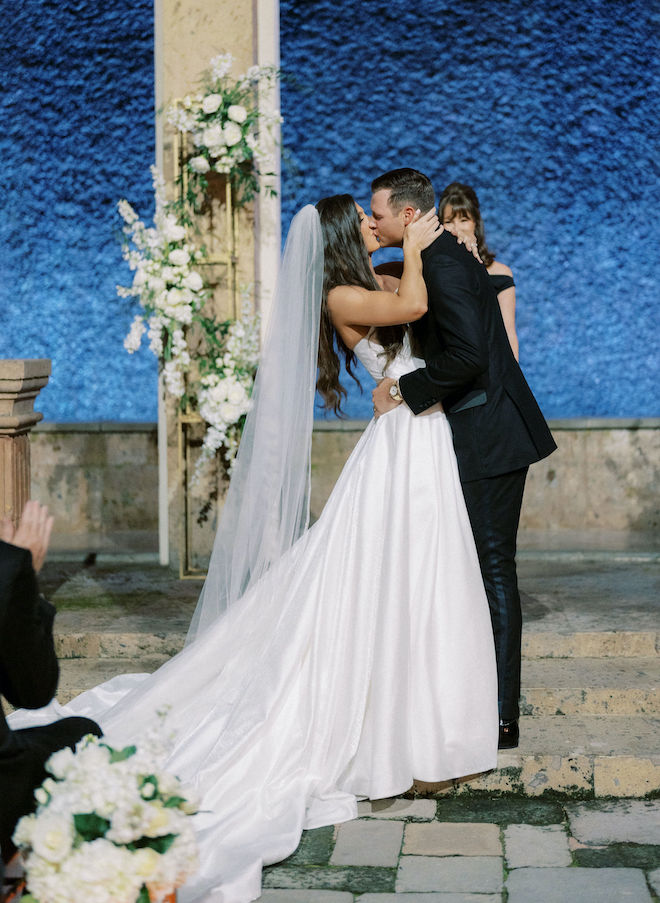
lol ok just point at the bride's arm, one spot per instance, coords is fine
(351, 305)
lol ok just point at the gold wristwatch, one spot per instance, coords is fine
(395, 394)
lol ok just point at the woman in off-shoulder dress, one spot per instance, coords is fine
(460, 213)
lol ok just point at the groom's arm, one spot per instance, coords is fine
(453, 290)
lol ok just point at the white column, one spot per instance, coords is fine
(268, 229)
(163, 521)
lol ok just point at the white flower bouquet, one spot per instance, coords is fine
(225, 388)
(110, 827)
(227, 129)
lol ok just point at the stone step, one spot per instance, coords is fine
(79, 674)
(579, 755)
(549, 686)
(536, 644)
(590, 644)
(572, 755)
(109, 644)
(591, 686)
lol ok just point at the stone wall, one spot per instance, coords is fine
(100, 480)
(605, 474)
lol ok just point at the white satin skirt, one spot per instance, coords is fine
(363, 660)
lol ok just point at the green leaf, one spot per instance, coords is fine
(120, 755)
(159, 844)
(91, 826)
(173, 802)
(143, 896)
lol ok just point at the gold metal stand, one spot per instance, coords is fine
(228, 261)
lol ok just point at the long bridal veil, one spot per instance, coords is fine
(267, 504)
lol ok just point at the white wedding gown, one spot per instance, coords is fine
(362, 660)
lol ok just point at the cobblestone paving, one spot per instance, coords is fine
(478, 850)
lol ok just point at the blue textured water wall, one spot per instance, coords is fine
(77, 134)
(550, 110)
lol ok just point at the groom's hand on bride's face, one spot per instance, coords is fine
(383, 401)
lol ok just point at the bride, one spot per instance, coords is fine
(344, 660)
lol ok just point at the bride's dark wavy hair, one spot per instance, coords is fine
(346, 262)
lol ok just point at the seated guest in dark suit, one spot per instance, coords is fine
(28, 669)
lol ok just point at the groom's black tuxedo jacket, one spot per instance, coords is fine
(496, 423)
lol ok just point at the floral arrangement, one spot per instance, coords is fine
(206, 365)
(170, 290)
(110, 827)
(225, 124)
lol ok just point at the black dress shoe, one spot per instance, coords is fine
(509, 734)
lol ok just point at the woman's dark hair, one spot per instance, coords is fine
(463, 200)
(346, 262)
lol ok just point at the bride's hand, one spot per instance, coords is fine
(465, 238)
(422, 230)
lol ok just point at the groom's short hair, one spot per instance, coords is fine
(407, 186)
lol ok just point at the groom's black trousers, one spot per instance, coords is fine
(493, 505)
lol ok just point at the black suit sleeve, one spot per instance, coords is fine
(28, 663)
(454, 311)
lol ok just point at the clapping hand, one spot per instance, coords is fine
(32, 533)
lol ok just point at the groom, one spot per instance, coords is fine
(497, 426)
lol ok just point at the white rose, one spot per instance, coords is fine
(211, 103)
(23, 833)
(213, 136)
(236, 394)
(237, 113)
(179, 257)
(172, 230)
(199, 164)
(232, 133)
(229, 412)
(146, 863)
(193, 281)
(52, 836)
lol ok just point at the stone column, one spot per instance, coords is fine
(20, 383)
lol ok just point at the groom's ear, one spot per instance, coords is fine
(408, 214)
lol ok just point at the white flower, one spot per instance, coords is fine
(213, 136)
(23, 833)
(221, 65)
(52, 837)
(229, 412)
(236, 394)
(211, 103)
(199, 164)
(232, 133)
(172, 230)
(146, 863)
(156, 284)
(237, 112)
(193, 281)
(179, 257)
(131, 343)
